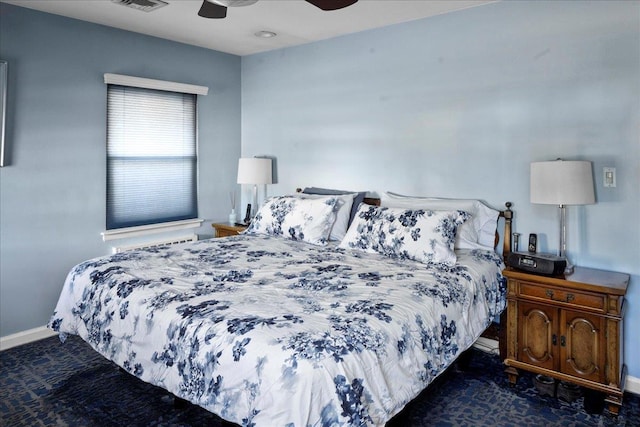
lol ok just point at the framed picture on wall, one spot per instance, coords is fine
(3, 108)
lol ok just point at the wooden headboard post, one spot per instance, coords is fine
(507, 214)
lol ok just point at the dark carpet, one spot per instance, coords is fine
(47, 383)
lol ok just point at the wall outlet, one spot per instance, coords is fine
(609, 177)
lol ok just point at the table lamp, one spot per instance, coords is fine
(255, 171)
(562, 183)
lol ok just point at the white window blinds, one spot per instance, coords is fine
(152, 163)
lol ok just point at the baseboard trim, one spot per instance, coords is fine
(487, 345)
(25, 337)
(491, 346)
(42, 332)
(633, 385)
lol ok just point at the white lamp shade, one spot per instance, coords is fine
(254, 170)
(561, 182)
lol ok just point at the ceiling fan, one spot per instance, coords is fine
(218, 8)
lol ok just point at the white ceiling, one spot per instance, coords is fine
(295, 21)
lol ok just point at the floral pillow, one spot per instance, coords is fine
(479, 232)
(419, 234)
(309, 220)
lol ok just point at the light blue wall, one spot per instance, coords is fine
(52, 195)
(458, 105)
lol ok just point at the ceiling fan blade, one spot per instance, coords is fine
(212, 10)
(331, 4)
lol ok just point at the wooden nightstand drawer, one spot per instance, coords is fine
(226, 230)
(576, 299)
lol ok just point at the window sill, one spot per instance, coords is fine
(143, 230)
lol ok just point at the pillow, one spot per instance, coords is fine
(422, 235)
(358, 198)
(308, 220)
(341, 225)
(477, 233)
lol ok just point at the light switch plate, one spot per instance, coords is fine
(609, 177)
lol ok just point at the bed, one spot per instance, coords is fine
(268, 329)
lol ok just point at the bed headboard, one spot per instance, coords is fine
(373, 201)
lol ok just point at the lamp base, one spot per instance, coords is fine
(568, 269)
(563, 241)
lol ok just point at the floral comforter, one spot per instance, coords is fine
(265, 331)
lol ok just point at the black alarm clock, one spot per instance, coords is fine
(545, 264)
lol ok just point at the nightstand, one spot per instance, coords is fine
(568, 328)
(225, 230)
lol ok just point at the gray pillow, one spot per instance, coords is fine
(330, 192)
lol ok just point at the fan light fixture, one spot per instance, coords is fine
(217, 9)
(562, 183)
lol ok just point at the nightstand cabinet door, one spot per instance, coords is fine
(582, 346)
(538, 335)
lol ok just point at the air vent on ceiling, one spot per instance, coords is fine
(144, 5)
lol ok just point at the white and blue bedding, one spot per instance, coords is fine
(265, 331)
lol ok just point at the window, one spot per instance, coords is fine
(152, 162)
